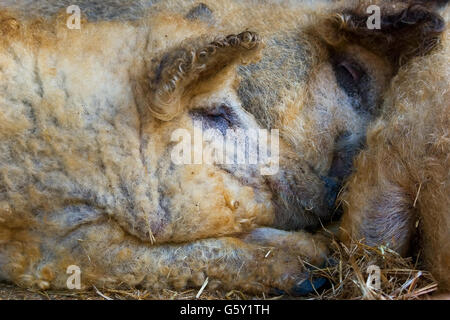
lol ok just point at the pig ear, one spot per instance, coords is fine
(403, 34)
(182, 67)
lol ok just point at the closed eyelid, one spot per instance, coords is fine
(221, 117)
(222, 109)
(353, 69)
(354, 78)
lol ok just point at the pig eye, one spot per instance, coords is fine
(222, 113)
(221, 117)
(350, 71)
(352, 78)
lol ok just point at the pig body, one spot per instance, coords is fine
(88, 117)
(86, 171)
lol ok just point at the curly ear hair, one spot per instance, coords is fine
(181, 67)
(413, 31)
(431, 3)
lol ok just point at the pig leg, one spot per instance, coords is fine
(108, 257)
(377, 208)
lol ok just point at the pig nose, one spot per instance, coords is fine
(332, 186)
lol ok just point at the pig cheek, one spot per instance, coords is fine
(209, 202)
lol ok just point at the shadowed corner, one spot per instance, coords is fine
(312, 284)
